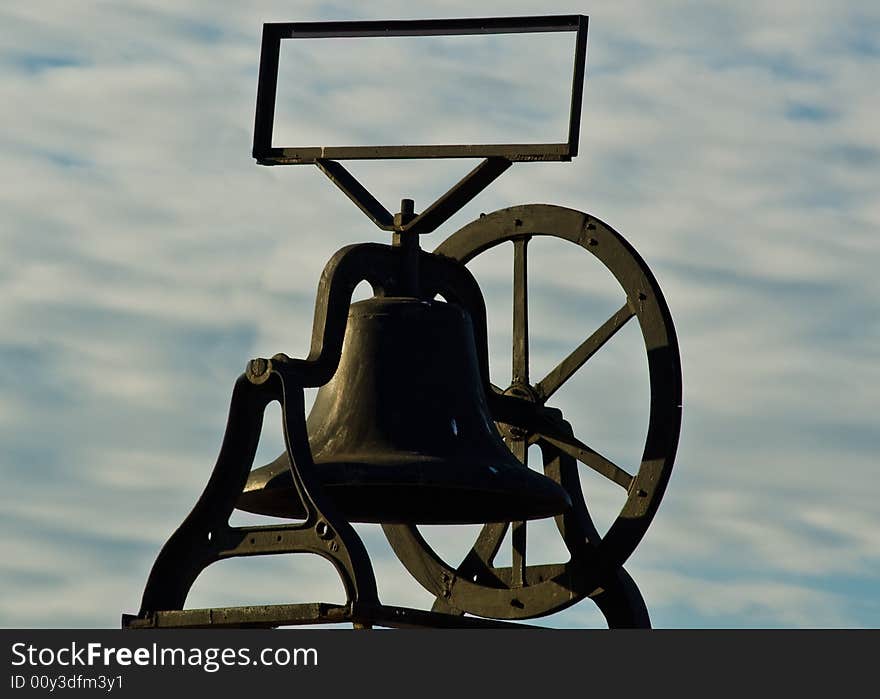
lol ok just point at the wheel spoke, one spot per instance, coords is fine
(520, 312)
(518, 559)
(483, 552)
(520, 449)
(486, 547)
(489, 541)
(574, 361)
(572, 446)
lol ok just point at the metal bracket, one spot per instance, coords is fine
(205, 536)
(497, 157)
(431, 218)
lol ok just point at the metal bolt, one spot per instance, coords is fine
(407, 213)
(324, 531)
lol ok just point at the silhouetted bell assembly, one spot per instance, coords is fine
(406, 428)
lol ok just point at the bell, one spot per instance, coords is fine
(402, 432)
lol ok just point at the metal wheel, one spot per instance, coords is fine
(522, 591)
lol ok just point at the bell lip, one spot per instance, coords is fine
(368, 514)
(363, 493)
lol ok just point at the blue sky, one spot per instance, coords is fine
(146, 258)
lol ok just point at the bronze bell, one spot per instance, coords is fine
(403, 432)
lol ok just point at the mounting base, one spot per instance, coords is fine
(275, 615)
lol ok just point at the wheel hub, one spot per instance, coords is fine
(523, 392)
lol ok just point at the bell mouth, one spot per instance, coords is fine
(410, 489)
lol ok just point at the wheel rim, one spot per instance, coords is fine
(524, 591)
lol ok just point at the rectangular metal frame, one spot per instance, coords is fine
(274, 33)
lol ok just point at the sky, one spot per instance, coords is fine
(146, 258)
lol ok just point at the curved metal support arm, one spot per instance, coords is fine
(621, 602)
(193, 546)
(338, 540)
(205, 536)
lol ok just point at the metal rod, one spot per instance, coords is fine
(408, 242)
(563, 371)
(267, 85)
(515, 153)
(459, 195)
(359, 194)
(518, 533)
(520, 312)
(426, 27)
(577, 87)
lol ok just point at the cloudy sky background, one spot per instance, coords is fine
(146, 258)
